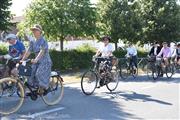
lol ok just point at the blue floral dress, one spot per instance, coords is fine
(41, 71)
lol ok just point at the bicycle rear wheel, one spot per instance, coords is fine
(134, 72)
(169, 71)
(10, 103)
(89, 82)
(112, 84)
(55, 91)
(124, 70)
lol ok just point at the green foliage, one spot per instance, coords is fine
(71, 60)
(85, 47)
(75, 59)
(62, 18)
(161, 19)
(143, 21)
(5, 14)
(3, 49)
(122, 53)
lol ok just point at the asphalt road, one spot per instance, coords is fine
(139, 98)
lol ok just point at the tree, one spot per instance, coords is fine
(62, 18)
(5, 14)
(161, 20)
(124, 22)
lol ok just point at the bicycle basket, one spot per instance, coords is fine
(25, 70)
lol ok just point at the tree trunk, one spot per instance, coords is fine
(61, 44)
(116, 46)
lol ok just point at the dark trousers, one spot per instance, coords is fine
(133, 61)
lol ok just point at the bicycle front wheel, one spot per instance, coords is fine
(10, 103)
(55, 91)
(149, 70)
(112, 84)
(89, 82)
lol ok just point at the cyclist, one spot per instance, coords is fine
(154, 50)
(165, 53)
(132, 55)
(16, 50)
(41, 65)
(173, 52)
(178, 54)
(105, 51)
(106, 48)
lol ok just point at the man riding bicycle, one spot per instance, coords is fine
(155, 50)
(165, 53)
(16, 50)
(177, 60)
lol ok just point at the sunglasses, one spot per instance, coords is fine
(9, 39)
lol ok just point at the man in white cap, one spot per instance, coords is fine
(16, 50)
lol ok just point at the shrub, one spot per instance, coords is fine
(81, 58)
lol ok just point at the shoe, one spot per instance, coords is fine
(41, 90)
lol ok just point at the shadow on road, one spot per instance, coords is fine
(144, 78)
(133, 96)
(80, 106)
(77, 106)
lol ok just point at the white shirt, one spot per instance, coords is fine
(106, 51)
(173, 52)
(155, 50)
(131, 51)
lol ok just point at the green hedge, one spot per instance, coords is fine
(71, 60)
(75, 59)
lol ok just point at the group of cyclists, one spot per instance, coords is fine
(41, 65)
(165, 52)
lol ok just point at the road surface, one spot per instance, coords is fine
(139, 98)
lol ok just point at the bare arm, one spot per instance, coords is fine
(26, 55)
(40, 54)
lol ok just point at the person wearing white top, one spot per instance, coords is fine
(132, 54)
(105, 49)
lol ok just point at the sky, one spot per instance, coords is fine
(18, 6)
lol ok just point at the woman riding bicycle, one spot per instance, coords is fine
(41, 65)
(105, 50)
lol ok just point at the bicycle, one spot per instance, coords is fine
(11, 103)
(155, 69)
(103, 73)
(5, 70)
(127, 69)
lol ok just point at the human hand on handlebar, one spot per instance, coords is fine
(34, 61)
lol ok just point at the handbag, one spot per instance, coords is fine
(25, 70)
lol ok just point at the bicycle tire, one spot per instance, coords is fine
(55, 85)
(89, 78)
(2, 102)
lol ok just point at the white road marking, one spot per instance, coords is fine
(43, 112)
